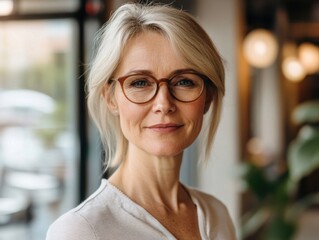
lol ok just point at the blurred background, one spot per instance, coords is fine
(265, 161)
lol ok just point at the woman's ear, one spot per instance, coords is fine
(110, 101)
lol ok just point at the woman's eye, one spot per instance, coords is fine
(185, 83)
(140, 83)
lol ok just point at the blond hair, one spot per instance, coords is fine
(186, 36)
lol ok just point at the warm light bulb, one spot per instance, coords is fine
(6, 7)
(293, 69)
(260, 48)
(309, 57)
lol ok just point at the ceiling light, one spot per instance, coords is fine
(309, 57)
(260, 48)
(293, 69)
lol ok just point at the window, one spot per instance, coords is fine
(43, 122)
(38, 138)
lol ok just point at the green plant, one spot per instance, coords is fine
(274, 187)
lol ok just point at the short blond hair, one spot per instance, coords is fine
(186, 36)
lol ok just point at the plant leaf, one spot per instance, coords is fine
(303, 157)
(307, 132)
(253, 220)
(257, 182)
(307, 112)
(280, 229)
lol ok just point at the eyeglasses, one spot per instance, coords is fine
(183, 85)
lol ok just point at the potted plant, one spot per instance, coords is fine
(274, 188)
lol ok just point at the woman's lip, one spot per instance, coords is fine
(165, 127)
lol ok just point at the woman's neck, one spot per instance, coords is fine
(150, 179)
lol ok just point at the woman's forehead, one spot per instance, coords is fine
(150, 51)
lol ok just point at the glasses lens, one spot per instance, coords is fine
(139, 88)
(186, 87)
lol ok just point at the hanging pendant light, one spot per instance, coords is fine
(260, 48)
(309, 57)
(293, 69)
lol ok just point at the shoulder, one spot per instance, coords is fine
(216, 215)
(83, 222)
(71, 226)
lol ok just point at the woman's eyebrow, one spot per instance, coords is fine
(178, 71)
(139, 71)
(148, 72)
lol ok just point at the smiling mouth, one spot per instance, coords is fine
(167, 127)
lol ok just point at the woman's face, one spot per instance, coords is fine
(163, 126)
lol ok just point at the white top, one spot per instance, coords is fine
(110, 214)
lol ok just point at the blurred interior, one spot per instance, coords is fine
(266, 154)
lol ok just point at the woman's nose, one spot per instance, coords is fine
(163, 101)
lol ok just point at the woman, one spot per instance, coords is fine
(155, 75)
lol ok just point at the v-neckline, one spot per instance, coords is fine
(143, 213)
